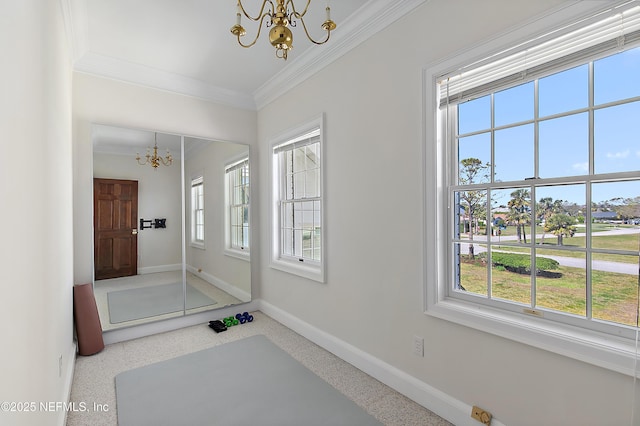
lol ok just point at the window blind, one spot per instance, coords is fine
(235, 166)
(613, 30)
(304, 140)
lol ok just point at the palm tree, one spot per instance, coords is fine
(519, 211)
(473, 202)
(561, 225)
(545, 208)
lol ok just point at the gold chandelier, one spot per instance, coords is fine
(279, 16)
(154, 159)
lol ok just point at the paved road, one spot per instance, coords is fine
(598, 265)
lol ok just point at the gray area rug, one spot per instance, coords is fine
(145, 302)
(243, 383)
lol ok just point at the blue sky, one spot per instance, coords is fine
(563, 141)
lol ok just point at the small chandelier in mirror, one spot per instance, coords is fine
(279, 16)
(154, 159)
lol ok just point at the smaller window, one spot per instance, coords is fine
(237, 197)
(298, 233)
(197, 211)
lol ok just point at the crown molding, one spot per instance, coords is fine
(88, 62)
(371, 18)
(74, 13)
(116, 69)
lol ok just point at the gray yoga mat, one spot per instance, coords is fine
(145, 302)
(247, 382)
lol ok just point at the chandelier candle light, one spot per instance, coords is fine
(154, 159)
(279, 16)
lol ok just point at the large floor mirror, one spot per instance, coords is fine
(171, 225)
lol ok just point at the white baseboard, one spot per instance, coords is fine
(70, 356)
(221, 284)
(444, 405)
(159, 268)
(134, 332)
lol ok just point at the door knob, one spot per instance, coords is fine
(134, 232)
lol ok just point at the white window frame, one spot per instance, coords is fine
(242, 252)
(196, 181)
(605, 350)
(305, 268)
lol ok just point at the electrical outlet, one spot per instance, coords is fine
(481, 415)
(418, 345)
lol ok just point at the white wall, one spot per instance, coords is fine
(36, 254)
(105, 101)
(372, 299)
(210, 162)
(159, 196)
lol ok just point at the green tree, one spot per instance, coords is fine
(626, 208)
(546, 208)
(519, 212)
(561, 225)
(573, 209)
(472, 171)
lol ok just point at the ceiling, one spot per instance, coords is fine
(125, 141)
(186, 46)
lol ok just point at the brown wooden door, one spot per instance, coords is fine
(115, 228)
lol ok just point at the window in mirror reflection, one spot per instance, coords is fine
(197, 211)
(237, 177)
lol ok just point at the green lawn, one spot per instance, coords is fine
(627, 242)
(595, 227)
(614, 295)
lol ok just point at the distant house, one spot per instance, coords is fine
(604, 216)
(502, 216)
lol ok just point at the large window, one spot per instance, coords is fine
(197, 212)
(237, 196)
(540, 204)
(298, 230)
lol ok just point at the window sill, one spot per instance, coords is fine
(238, 254)
(314, 273)
(616, 354)
(197, 245)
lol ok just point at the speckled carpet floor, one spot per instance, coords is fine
(94, 376)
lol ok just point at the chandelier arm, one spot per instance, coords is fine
(262, 13)
(257, 35)
(295, 12)
(298, 16)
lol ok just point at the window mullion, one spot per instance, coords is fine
(489, 247)
(534, 268)
(493, 138)
(588, 195)
(492, 180)
(536, 174)
(450, 118)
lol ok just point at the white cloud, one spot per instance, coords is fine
(618, 155)
(582, 167)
